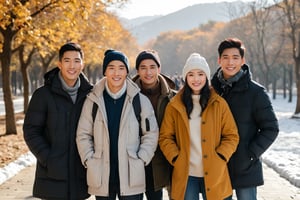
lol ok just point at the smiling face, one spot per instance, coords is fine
(116, 73)
(231, 62)
(196, 80)
(148, 71)
(71, 65)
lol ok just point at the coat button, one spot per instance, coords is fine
(205, 156)
(204, 140)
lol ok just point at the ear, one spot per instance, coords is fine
(219, 60)
(243, 60)
(59, 64)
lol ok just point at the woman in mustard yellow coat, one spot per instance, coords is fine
(198, 135)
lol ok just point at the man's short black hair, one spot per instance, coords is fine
(70, 46)
(232, 43)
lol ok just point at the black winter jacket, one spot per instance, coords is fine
(257, 126)
(49, 130)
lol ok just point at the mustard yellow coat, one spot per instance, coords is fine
(219, 135)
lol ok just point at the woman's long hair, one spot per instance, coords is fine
(187, 97)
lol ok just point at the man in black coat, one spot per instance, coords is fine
(50, 128)
(253, 113)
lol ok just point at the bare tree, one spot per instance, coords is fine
(265, 18)
(291, 10)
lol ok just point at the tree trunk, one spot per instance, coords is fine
(297, 74)
(274, 87)
(26, 88)
(284, 82)
(5, 57)
(290, 84)
(24, 65)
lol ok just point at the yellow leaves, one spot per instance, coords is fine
(47, 24)
(14, 13)
(85, 15)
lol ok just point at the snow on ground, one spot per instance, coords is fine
(15, 167)
(283, 155)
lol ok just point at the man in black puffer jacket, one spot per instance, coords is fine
(50, 128)
(254, 116)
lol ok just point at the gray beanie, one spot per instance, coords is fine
(196, 61)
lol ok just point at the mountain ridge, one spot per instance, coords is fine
(146, 28)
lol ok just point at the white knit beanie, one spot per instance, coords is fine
(196, 61)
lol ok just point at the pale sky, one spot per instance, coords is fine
(138, 8)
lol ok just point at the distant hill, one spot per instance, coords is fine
(130, 23)
(146, 28)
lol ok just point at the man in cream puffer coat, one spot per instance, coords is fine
(110, 146)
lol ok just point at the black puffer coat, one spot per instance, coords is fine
(49, 130)
(257, 126)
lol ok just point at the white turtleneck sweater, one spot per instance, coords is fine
(117, 94)
(196, 164)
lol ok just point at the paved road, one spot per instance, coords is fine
(275, 188)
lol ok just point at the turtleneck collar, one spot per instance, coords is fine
(195, 98)
(196, 112)
(72, 91)
(119, 93)
(150, 91)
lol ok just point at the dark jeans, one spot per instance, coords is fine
(154, 195)
(113, 197)
(131, 197)
(115, 190)
(150, 193)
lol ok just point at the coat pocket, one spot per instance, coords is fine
(136, 170)
(57, 166)
(94, 170)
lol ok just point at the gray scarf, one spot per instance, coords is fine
(226, 85)
(231, 80)
(72, 91)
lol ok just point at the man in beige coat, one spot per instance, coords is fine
(110, 146)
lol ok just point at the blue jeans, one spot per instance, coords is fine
(195, 185)
(245, 193)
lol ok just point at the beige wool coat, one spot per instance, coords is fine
(219, 135)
